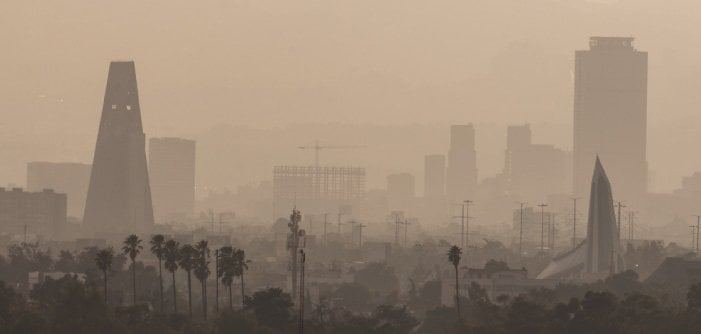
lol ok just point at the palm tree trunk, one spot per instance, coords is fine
(204, 299)
(231, 304)
(104, 275)
(242, 295)
(189, 292)
(160, 281)
(133, 271)
(175, 297)
(457, 292)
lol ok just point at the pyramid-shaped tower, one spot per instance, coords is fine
(602, 232)
(119, 196)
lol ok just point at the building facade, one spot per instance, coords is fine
(462, 163)
(172, 173)
(534, 171)
(119, 195)
(434, 176)
(40, 213)
(610, 115)
(68, 178)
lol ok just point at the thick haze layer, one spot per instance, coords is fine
(400, 65)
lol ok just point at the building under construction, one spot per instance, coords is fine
(316, 190)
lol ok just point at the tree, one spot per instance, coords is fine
(271, 307)
(454, 258)
(187, 262)
(157, 248)
(66, 262)
(132, 247)
(394, 319)
(103, 260)
(202, 271)
(240, 265)
(353, 296)
(171, 253)
(225, 270)
(377, 277)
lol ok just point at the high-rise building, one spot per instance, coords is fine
(119, 195)
(69, 178)
(610, 115)
(171, 163)
(462, 163)
(317, 190)
(534, 171)
(41, 213)
(434, 176)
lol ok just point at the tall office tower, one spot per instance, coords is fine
(434, 176)
(69, 178)
(171, 163)
(610, 115)
(462, 163)
(119, 196)
(534, 171)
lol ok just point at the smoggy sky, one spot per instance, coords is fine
(265, 64)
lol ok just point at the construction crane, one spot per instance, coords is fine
(316, 147)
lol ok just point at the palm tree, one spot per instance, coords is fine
(157, 242)
(187, 262)
(454, 258)
(171, 253)
(132, 247)
(202, 271)
(225, 271)
(240, 267)
(103, 260)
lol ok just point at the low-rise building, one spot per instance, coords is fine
(496, 282)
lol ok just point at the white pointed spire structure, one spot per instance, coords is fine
(593, 255)
(602, 233)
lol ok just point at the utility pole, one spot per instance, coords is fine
(221, 222)
(465, 234)
(325, 223)
(339, 225)
(302, 258)
(552, 233)
(693, 236)
(406, 227)
(397, 221)
(574, 223)
(520, 236)
(620, 205)
(542, 225)
(360, 235)
(216, 276)
(698, 225)
(211, 218)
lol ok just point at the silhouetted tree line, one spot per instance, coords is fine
(619, 304)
